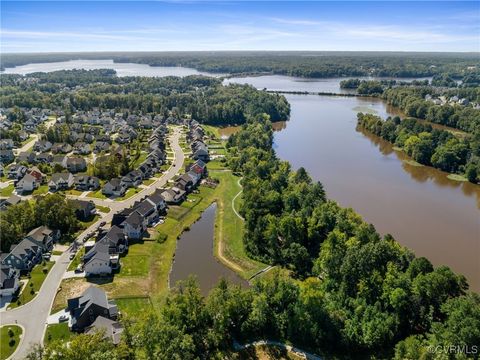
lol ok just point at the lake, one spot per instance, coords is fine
(424, 210)
(194, 255)
(122, 69)
(435, 217)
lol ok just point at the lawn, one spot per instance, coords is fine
(97, 194)
(177, 212)
(85, 224)
(103, 209)
(137, 261)
(31, 288)
(57, 252)
(29, 140)
(8, 344)
(148, 182)
(215, 165)
(56, 332)
(73, 192)
(133, 305)
(77, 259)
(130, 192)
(138, 161)
(42, 189)
(7, 191)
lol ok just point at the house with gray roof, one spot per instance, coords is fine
(85, 309)
(111, 329)
(61, 181)
(9, 280)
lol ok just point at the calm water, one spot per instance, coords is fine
(435, 217)
(122, 69)
(194, 255)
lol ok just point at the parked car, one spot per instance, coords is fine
(103, 223)
(79, 269)
(72, 256)
(63, 318)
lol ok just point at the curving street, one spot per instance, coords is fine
(33, 315)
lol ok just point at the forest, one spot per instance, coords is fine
(344, 291)
(205, 98)
(427, 145)
(309, 64)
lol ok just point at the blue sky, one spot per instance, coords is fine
(242, 25)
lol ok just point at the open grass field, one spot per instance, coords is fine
(55, 332)
(8, 344)
(31, 288)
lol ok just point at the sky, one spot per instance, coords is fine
(65, 26)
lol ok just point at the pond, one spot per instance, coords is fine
(194, 255)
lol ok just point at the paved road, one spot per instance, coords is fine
(30, 144)
(33, 315)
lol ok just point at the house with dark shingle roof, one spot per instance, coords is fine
(134, 226)
(85, 309)
(84, 210)
(60, 181)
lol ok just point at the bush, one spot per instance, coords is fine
(161, 237)
(10, 332)
(32, 291)
(11, 343)
(45, 269)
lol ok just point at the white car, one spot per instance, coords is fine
(63, 318)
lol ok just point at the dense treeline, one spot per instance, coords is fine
(428, 146)
(314, 64)
(52, 210)
(206, 99)
(412, 101)
(372, 292)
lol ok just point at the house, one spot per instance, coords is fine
(37, 174)
(44, 158)
(16, 171)
(26, 157)
(59, 160)
(12, 200)
(43, 237)
(199, 167)
(173, 195)
(157, 200)
(201, 153)
(61, 148)
(111, 329)
(42, 146)
(6, 144)
(85, 309)
(97, 261)
(119, 217)
(76, 164)
(101, 146)
(24, 256)
(86, 183)
(60, 181)
(134, 226)
(132, 179)
(9, 282)
(184, 182)
(6, 156)
(84, 210)
(148, 211)
(114, 187)
(82, 148)
(116, 240)
(27, 184)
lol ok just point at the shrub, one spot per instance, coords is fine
(45, 270)
(10, 332)
(161, 237)
(11, 343)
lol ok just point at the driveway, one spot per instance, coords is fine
(34, 315)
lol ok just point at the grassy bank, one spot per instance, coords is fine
(57, 332)
(9, 340)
